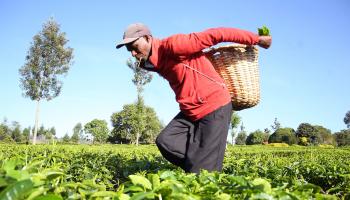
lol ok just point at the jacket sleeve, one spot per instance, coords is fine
(186, 44)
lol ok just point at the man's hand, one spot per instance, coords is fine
(265, 41)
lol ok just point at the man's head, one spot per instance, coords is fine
(138, 40)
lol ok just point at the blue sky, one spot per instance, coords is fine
(304, 75)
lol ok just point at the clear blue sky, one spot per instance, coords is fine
(304, 75)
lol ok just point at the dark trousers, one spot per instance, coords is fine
(196, 145)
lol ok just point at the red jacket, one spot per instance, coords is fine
(196, 94)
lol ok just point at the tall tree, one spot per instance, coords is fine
(6, 132)
(48, 58)
(285, 135)
(140, 79)
(235, 120)
(98, 129)
(306, 134)
(242, 136)
(75, 138)
(78, 129)
(53, 131)
(276, 124)
(323, 135)
(347, 119)
(26, 134)
(126, 125)
(66, 138)
(16, 133)
(342, 137)
(256, 137)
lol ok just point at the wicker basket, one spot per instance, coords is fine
(238, 66)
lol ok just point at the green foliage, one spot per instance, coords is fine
(314, 134)
(235, 120)
(47, 59)
(98, 129)
(303, 141)
(323, 135)
(75, 138)
(276, 125)
(16, 133)
(26, 134)
(127, 172)
(257, 137)
(12, 133)
(342, 137)
(264, 31)
(347, 119)
(285, 135)
(305, 130)
(241, 138)
(130, 123)
(66, 138)
(141, 76)
(48, 133)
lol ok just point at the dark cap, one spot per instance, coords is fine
(133, 32)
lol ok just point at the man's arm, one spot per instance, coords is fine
(187, 44)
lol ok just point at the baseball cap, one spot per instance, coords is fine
(133, 32)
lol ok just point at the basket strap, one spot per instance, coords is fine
(208, 77)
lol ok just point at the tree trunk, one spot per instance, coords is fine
(137, 138)
(233, 135)
(36, 122)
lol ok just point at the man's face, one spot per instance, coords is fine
(140, 48)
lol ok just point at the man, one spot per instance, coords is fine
(196, 138)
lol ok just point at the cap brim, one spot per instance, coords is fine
(125, 41)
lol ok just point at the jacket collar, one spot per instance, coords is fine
(154, 52)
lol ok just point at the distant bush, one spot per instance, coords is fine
(257, 137)
(283, 135)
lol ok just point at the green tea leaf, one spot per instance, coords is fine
(139, 180)
(36, 192)
(104, 194)
(143, 195)
(50, 175)
(49, 197)
(3, 182)
(155, 180)
(134, 188)
(262, 184)
(167, 175)
(122, 197)
(10, 164)
(17, 190)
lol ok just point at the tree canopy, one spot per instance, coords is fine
(128, 122)
(98, 129)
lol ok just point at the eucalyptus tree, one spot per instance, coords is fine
(47, 60)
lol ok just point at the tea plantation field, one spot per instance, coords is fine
(130, 172)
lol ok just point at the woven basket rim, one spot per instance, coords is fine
(228, 46)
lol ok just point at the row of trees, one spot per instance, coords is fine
(126, 128)
(12, 132)
(305, 134)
